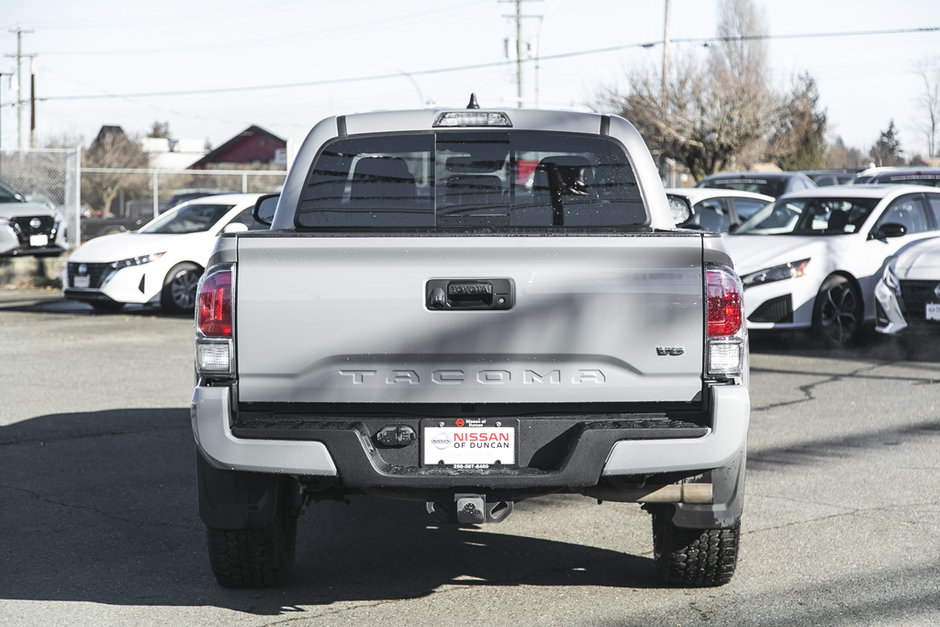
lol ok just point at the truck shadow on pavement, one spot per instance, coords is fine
(100, 507)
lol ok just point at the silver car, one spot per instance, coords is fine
(29, 228)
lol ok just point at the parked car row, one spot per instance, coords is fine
(811, 259)
(829, 259)
(834, 253)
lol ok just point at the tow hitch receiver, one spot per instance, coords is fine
(470, 509)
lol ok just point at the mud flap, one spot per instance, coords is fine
(242, 500)
(725, 511)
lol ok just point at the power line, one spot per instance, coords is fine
(479, 66)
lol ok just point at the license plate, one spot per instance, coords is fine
(39, 240)
(469, 444)
(933, 311)
(81, 281)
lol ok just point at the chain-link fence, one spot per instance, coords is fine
(98, 201)
(115, 200)
(46, 176)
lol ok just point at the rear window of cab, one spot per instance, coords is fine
(490, 179)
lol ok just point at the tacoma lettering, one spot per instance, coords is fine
(482, 377)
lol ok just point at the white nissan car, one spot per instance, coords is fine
(161, 262)
(908, 294)
(811, 259)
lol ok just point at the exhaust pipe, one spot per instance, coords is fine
(702, 493)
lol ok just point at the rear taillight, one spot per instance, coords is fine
(724, 302)
(214, 322)
(214, 303)
(725, 331)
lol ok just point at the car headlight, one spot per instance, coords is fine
(890, 276)
(782, 272)
(136, 261)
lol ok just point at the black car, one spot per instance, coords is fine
(824, 178)
(768, 183)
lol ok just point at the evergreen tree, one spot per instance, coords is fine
(799, 141)
(887, 150)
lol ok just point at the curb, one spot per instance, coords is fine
(20, 272)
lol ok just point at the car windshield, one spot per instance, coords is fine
(187, 219)
(471, 179)
(810, 216)
(757, 185)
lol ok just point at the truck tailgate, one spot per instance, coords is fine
(590, 319)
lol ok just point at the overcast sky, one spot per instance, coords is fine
(212, 68)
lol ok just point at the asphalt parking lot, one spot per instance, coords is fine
(99, 518)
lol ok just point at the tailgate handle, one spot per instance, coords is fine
(462, 294)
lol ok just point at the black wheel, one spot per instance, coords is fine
(693, 557)
(179, 288)
(256, 558)
(106, 306)
(837, 312)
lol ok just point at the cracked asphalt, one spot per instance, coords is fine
(98, 521)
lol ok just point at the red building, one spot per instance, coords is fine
(253, 146)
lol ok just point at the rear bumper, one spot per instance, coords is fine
(348, 453)
(731, 409)
(212, 417)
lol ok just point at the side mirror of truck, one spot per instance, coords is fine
(681, 209)
(264, 208)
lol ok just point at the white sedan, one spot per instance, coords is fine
(161, 262)
(908, 294)
(811, 259)
(716, 210)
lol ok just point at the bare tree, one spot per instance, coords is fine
(713, 110)
(929, 71)
(160, 129)
(844, 157)
(111, 149)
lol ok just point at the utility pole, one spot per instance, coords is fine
(518, 17)
(32, 101)
(19, 82)
(2, 74)
(665, 54)
(666, 162)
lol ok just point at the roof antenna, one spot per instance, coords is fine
(473, 104)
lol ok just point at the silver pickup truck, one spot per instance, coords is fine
(467, 308)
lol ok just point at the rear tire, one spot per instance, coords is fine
(179, 288)
(693, 558)
(256, 558)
